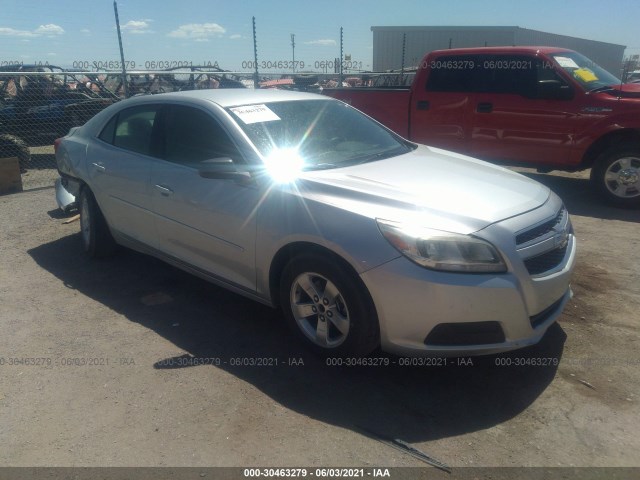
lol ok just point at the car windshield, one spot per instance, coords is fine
(321, 133)
(590, 75)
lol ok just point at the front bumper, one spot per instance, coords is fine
(504, 311)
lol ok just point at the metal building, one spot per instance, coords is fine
(388, 41)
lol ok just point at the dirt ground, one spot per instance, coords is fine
(130, 362)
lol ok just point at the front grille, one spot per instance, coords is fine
(545, 262)
(542, 229)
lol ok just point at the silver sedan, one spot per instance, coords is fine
(363, 238)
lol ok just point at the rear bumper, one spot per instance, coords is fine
(64, 198)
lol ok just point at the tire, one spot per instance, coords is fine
(12, 146)
(616, 175)
(94, 231)
(328, 307)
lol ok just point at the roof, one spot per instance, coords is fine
(229, 97)
(494, 50)
(477, 28)
(444, 28)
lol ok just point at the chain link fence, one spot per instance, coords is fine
(41, 103)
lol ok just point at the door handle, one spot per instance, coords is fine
(484, 108)
(164, 190)
(99, 166)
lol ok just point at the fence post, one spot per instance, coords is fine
(404, 46)
(124, 68)
(256, 78)
(341, 56)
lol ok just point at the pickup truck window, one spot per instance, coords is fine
(501, 74)
(587, 73)
(454, 73)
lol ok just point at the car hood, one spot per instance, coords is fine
(433, 187)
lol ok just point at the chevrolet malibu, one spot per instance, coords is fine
(361, 237)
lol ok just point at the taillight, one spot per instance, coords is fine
(56, 144)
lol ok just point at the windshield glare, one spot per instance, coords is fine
(585, 71)
(323, 133)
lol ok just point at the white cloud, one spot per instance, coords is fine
(50, 29)
(198, 31)
(12, 32)
(51, 54)
(85, 30)
(235, 36)
(137, 26)
(325, 42)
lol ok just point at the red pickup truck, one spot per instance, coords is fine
(546, 107)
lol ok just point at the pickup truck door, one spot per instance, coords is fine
(523, 112)
(207, 223)
(440, 110)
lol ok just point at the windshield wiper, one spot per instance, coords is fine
(321, 166)
(378, 156)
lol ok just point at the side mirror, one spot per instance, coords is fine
(554, 90)
(222, 168)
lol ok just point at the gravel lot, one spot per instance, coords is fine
(114, 383)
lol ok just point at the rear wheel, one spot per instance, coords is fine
(328, 307)
(616, 175)
(94, 231)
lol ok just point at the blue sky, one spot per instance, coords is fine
(62, 31)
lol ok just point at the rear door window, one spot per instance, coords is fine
(454, 73)
(131, 129)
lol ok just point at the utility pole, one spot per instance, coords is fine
(124, 69)
(293, 51)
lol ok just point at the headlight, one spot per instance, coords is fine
(446, 251)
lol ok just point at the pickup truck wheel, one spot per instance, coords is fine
(616, 175)
(94, 231)
(328, 307)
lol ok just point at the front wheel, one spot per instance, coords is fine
(328, 307)
(94, 231)
(616, 175)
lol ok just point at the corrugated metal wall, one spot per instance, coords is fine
(387, 44)
(607, 55)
